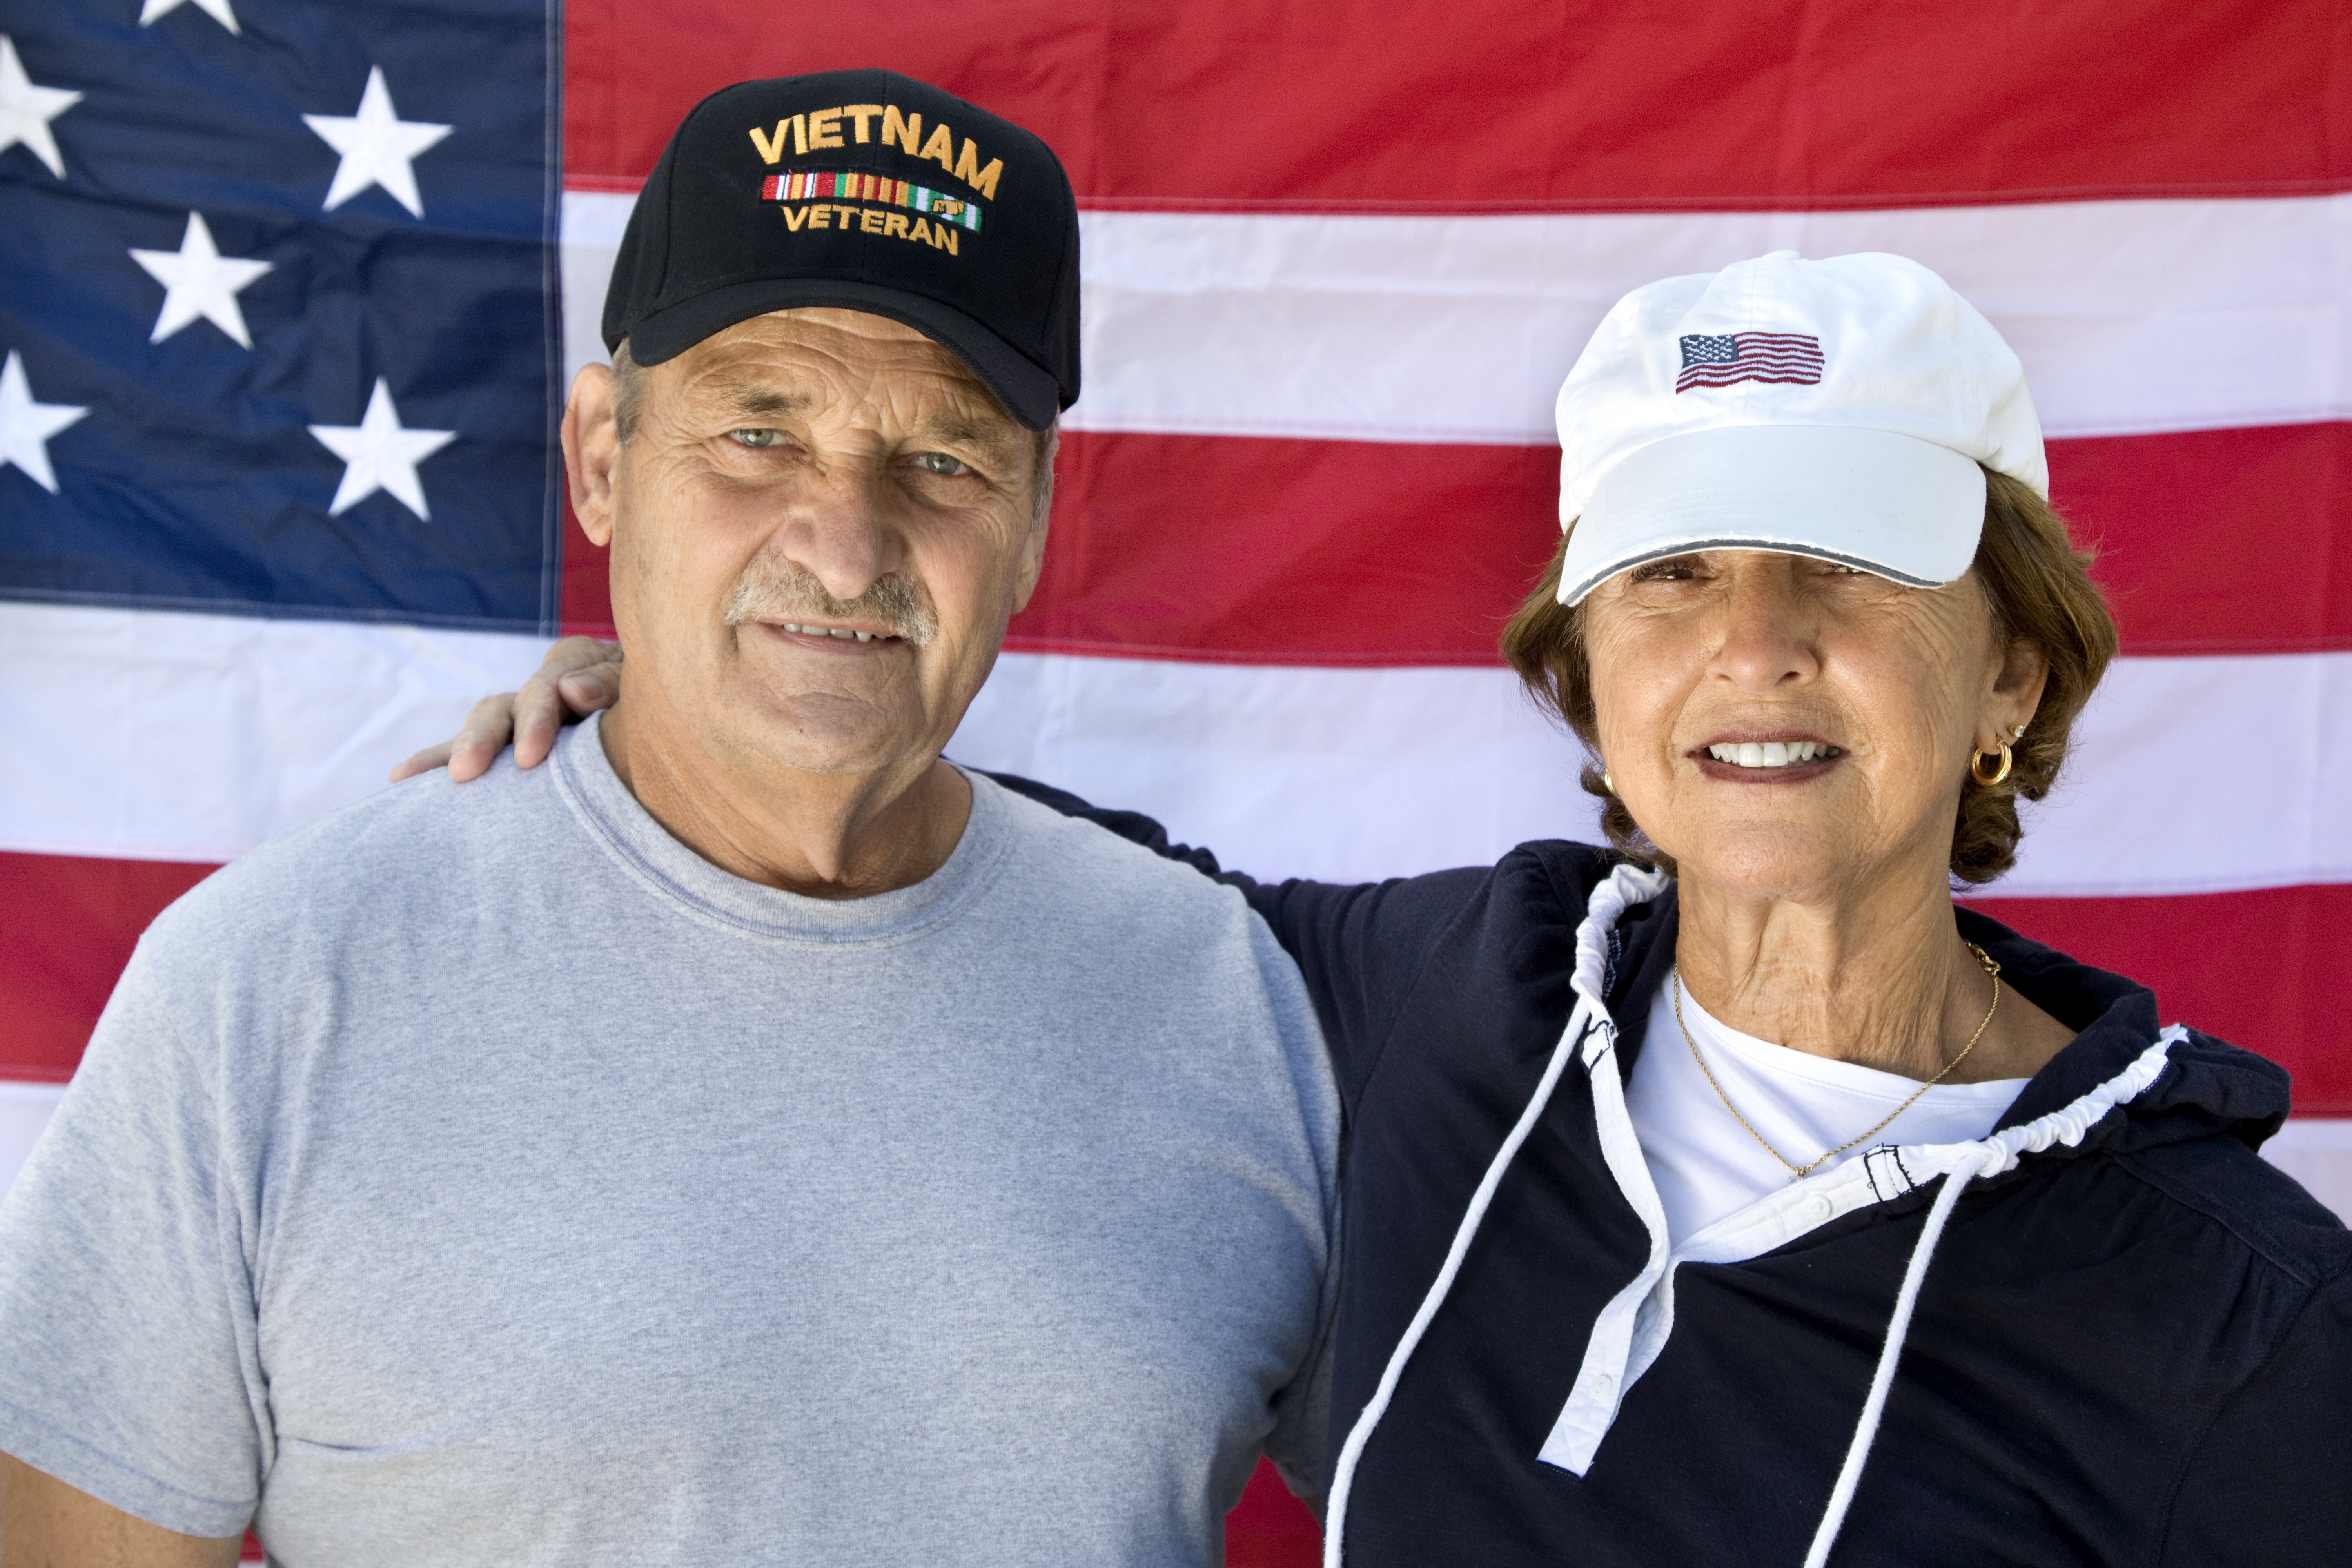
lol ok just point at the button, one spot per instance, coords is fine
(1603, 1385)
(1818, 1205)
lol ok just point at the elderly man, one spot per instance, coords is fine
(927, 1177)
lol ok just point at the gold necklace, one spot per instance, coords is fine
(1801, 1172)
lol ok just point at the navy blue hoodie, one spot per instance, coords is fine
(2132, 1340)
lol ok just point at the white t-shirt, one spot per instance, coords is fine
(1704, 1163)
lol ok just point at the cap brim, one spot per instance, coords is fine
(1027, 391)
(1904, 509)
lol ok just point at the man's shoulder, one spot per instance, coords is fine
(415, 844)
(1082, 864)
(1177, 963)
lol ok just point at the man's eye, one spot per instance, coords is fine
(940, 463)
(755, 437)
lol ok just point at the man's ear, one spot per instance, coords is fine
(1033, 565)
(591, 448)
(1033, 549)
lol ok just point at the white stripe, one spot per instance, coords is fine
(162, 736)
(154, 735)
(1344, 774)
(2131, 316)
(25, 1110)
(2194, 774)
(2201, 776)
(591, 238)
(2317, 1152)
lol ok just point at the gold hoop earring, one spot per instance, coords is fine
(1976, 766)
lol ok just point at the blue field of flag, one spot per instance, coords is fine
(278, 308)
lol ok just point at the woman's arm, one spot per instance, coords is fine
(2270, 1483)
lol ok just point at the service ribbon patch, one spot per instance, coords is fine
(808, 185)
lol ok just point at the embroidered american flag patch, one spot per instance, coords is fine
(1719, 360)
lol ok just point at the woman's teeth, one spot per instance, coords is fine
(1771, 753)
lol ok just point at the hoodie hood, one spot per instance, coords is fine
(2208, 1086)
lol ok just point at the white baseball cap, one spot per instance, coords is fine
(1836, 409)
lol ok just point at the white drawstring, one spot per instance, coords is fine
(1335, 1523)
(1993, 1157)
(1625, 886)
(1866, 1432)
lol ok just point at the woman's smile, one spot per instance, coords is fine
(1782, 759)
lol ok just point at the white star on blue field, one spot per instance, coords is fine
(278, 307)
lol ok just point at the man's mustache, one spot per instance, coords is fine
(772, 590)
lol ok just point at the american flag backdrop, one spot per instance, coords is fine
(289, 291)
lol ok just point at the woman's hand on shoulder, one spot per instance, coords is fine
(579, 675)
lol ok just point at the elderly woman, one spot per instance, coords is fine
(1729, 1194)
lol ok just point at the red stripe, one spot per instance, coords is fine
(2218, 540)
(1271, 1529)
(1781, 103)
(1697, 378)
(1289, 551)
(1334, 553)
(67, 927)
(2268, 971)
(1339, 552)
(587, 592)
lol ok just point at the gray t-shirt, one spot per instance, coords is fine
(479, 1175)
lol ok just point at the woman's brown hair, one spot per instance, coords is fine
(2039, 588)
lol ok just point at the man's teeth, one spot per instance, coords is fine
(843, 632)
(1771, 753)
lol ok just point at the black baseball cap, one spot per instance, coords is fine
(863, 190)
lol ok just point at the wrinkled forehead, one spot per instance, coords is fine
(813, 361)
